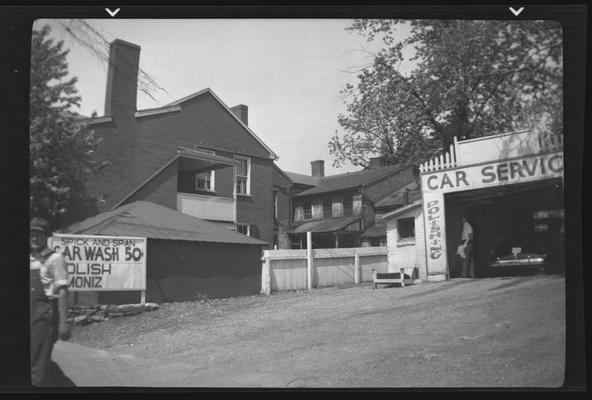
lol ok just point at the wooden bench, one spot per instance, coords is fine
(396, 277)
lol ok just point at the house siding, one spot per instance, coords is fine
(378, 190)
(409, 254)
(162, 189)
(367, 212)
(281, 186)
(257, 208)
(186, 271)
(138, 148)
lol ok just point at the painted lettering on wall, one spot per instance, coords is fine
(435, 230)
(512, 170)
(494, 174)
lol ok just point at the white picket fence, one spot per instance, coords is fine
(469, 151)
(444, 161)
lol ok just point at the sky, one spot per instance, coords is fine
(288, 72)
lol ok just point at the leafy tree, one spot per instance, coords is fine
(61, 148)
(470, 79)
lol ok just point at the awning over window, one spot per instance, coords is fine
(330, 225)
(375, 231)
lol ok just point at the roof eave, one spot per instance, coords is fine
(342, 189)
(401, 210)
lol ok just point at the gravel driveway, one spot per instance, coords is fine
(495, 332)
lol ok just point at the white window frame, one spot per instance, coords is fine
(212, 187)
(248, 183)
(304, 213)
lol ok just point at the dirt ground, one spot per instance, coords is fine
(494, 332)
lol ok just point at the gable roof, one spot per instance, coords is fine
(351, 180)
(147, 219)
(283, 173)
(176, 107)
(210, 91)
(301, 179)
(402, 210)
(378, 230)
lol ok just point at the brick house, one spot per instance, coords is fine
(195, 155)
(343, 210)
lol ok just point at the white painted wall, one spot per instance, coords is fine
(207, 207)
(407, 253)
(504, 146)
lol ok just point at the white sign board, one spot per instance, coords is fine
(102, 263)
(526, 169)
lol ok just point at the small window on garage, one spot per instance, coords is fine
(406, 229)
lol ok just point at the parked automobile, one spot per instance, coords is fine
(520, 260)
(520, 255)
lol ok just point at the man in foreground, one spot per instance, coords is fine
(48, 305)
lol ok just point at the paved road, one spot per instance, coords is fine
(495, 332)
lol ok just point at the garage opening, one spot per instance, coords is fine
(510, 222)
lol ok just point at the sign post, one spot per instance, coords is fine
(309, 259)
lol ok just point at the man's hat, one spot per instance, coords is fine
(39, 224)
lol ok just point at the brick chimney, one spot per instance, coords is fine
(318, 168)
(242, 112)
(122, 79)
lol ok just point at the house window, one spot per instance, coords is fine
(243, 228)
(406, 228)
(307, 210)
(243, 176)
(205, 181)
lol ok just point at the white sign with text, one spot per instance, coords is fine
(102, 263)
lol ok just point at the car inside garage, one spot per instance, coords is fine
(518, 228)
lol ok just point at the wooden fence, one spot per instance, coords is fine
(289, 269)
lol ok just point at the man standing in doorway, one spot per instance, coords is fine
(48, 305)
(468, 266)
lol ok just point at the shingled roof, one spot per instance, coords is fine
(150, 220)
(301, 179)
(397, 198)
(326, 225)
(350, 180)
